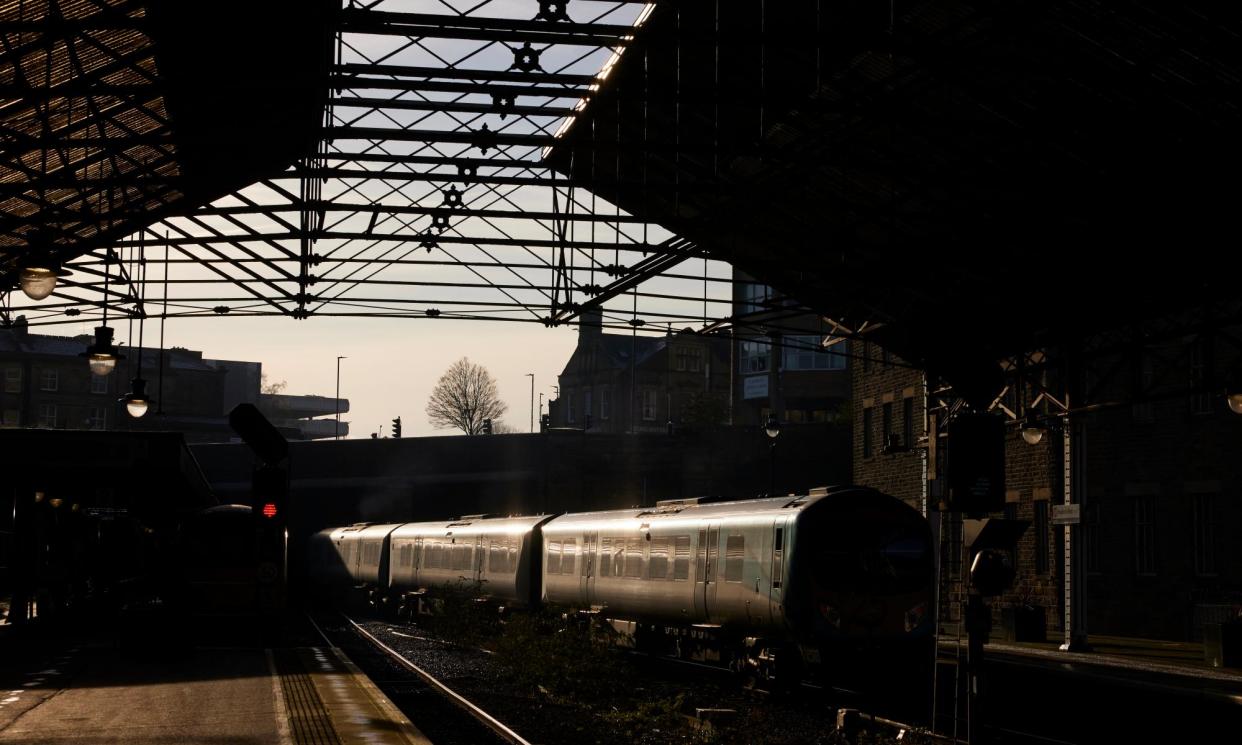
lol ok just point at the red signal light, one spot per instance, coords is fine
(269, 510)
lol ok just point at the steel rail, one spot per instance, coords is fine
(487, 719)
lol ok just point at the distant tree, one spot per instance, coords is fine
(271, 388)
(464, 396)
(502, 428)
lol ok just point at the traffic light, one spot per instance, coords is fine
(269, 506)
(976, 464)
(396, 427)
(487, 426)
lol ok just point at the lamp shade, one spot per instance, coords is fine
(136, 401)
(37, 282)
(1235, 401)
(102, 355)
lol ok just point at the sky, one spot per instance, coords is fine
(392, 364)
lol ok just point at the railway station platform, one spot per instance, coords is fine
(102, 694)
(1115, 655)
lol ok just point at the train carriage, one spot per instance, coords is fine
(829, 568)
(498, 555)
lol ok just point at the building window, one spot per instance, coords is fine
(586, 406)
(754, 356)
(886, 424)
(755, 297)
(1091, 537)
(907, 423)
(689, 359)
(47, 415)
(570, 414)
(866, 433)
(1145, 535)
(11, 418)
(1041, 536)
(605, 403)
(1204, 506)
(49, 380)
(649, 404)
(12, 380)
(1145, 377)
(98, 418)
(807, 353)
(1200, 398)
(99, 383)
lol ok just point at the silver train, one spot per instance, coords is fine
(727, 581)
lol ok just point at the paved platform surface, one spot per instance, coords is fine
(240, 696)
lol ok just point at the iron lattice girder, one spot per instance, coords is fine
(456, 107)
(454, 240)
(442, 26)
(413, 209)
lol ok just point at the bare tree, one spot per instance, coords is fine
(464, 397)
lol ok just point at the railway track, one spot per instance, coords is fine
(444, 715)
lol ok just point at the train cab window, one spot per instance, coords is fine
(554, 557)
(735, 552)
(681, 557)
(605, 557)
(569, 555)
(634, 559)
(657, 564)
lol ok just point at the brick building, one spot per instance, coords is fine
(1155, 469)
(625, 383)
(47, 384)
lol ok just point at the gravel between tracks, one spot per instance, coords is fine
(651, 703)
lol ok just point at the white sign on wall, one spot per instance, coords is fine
(755, 386)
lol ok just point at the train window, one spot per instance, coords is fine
(569, 554)
(618, 558)
(634, 558)
(657, 564)
(407, 556)
(780, 540)
(735, 552)
(497, 556)
(681, 557)
(554, 557)
(605, 557)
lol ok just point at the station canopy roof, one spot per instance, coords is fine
(115, 113)
(966, 179)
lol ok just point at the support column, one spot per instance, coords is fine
(1074, 625)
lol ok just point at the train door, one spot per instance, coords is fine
(476, 567)
(590, 545)
(710, 540)
(776, 581)
(416, 566)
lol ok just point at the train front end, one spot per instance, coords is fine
(862, 578)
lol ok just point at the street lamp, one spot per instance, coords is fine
(102, 355)
(337, 434)
(773, 430)
(1032, 430)
(136, 401)
(38, 274)
(532, 400)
